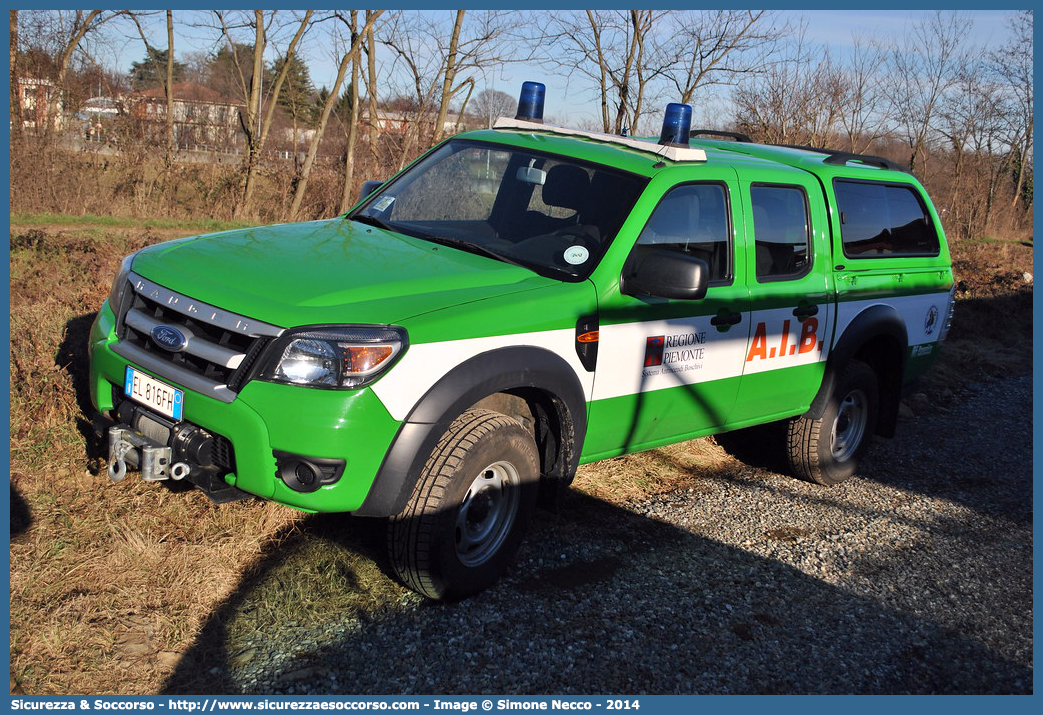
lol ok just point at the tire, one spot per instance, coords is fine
(827, 450)
(470, 508)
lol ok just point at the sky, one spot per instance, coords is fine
(833, 28)
(837, 27)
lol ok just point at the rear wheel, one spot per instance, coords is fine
(470, 509)
(827, 450)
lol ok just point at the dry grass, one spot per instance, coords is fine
(111, 585)
(638, 476)
(108, 582)
(992, 328)
(48, 176)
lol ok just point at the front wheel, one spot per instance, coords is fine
(827, 450)
(469, 510)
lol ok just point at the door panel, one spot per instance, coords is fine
(792, 307)
(659, 381)
(670, 369)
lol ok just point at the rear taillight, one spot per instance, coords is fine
(947, 323)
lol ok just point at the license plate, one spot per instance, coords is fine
(149, 391)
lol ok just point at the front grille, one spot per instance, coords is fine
(221, 346)
(144, 313)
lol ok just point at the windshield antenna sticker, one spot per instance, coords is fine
(576, 255)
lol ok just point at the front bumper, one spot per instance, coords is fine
(349, 425)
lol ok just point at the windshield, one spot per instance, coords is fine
(548, 213)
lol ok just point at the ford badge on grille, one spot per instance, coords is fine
(169, 338)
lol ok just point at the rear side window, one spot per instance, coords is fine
(883, 220)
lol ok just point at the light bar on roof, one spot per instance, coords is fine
(673, 153)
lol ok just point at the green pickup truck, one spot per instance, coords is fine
(517, 302)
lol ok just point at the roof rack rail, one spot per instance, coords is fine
(843, 157)
(734, 135)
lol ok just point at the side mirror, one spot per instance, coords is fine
(666, 274)
(368, 188)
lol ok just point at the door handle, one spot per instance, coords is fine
(805, 311)
(724, 318)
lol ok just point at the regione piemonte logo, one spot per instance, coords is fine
(654, 350)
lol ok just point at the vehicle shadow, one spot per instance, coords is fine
(72, 359)
(21, 517)
(613, 601)
(988, 470)
(762, 446)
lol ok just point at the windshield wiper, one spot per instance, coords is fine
(372, 221)
(476, 248)
(457, 243)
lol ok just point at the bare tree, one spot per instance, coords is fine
(465, 46)
(490, 104)
(969, 117)
(16, 100)
(862, 105)
(449, 75)
(348, 193)
(74, 27)
(921, 69)
(166, 76)
(350, 54)
(256, 127)
(802, 94)
(797, 100)
(1013, 64)
(408, 39)
(720, 47)
(618, 51)
(371, 86)
(60, 35)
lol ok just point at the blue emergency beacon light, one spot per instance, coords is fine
(677, 125)
(530, 103)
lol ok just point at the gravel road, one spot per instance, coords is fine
(914, 578)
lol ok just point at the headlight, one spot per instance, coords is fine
(336, 357)
(118, 285)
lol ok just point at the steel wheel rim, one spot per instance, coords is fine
(850, 425)
(487, 513)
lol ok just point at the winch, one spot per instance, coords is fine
(128, 446)
(163, 450)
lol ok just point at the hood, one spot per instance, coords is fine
(331, 271)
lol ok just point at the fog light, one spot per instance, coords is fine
(306, 474)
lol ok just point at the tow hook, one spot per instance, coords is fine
(127, 446)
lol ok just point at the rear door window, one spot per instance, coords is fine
(781, 230)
